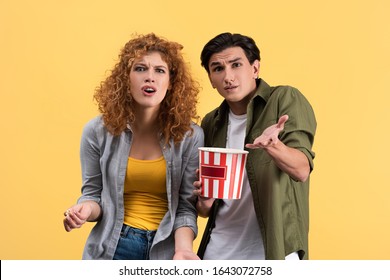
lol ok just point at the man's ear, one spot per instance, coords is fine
(256, 68)
(211, 82)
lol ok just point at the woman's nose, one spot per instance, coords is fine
(149, 76)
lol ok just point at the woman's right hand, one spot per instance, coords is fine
(77, 215)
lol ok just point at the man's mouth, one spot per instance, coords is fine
(230, 87)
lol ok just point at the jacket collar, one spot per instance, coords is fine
(263, 91)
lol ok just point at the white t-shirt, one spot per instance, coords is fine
(236, 234)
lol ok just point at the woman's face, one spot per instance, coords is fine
(149, 80)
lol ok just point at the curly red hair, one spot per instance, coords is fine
(177, 110)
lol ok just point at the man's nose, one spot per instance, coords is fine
(229, 76)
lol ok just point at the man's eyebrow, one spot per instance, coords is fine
(215, 63)
(235, 60)
(230, 61)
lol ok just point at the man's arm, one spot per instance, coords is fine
(289, 160)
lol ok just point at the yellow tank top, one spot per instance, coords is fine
(145, 193)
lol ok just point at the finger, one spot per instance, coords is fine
(282, 121)
(252, 146)
(73, 221)
(66, 226)
(261, 142)
(75, 216)
(78, 215)
(196, 192)
(66, 213)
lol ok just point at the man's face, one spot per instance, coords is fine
(234, 77)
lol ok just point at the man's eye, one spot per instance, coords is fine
(236, 64)
(217, 69)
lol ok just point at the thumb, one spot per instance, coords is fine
(282, 120)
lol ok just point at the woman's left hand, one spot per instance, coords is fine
(185, 255)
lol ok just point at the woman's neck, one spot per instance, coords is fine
(146, 140)
(145, 122)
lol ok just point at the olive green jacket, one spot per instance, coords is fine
(281, 203)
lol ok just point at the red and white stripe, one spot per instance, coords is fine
(221, 174)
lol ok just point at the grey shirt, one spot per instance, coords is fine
(104, 163)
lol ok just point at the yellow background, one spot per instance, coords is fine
(54, 53)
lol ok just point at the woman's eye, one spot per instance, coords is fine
(158, 70)
(139, 68)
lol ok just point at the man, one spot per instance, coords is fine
(277, 125)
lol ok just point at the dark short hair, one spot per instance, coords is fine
(228, 40)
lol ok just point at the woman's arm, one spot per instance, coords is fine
(87, 209)
(77, 215)
(184, 238)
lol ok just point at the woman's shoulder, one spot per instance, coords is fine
(196, 127)
(95, 126)
(197, 135)
(193, 135)
(197, 130)
(94, 122)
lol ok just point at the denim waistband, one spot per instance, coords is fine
(127, 230)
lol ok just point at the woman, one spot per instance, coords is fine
(139, 158)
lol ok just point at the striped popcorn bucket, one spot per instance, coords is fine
(221, 172)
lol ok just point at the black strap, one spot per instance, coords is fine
(209, 227)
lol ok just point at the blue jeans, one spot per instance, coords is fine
(134, 244)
